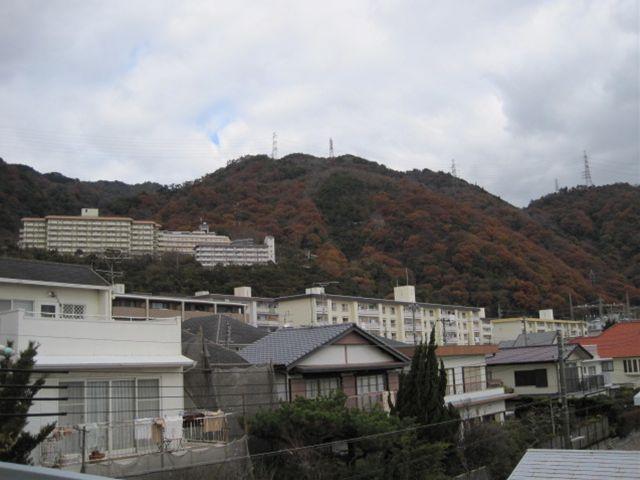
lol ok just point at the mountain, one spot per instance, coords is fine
(367, 227)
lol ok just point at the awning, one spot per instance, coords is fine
(78, 362)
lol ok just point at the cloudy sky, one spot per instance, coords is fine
(168, 91)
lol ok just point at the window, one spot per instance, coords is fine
(607, 366)
(72, 310)
(5, 305)
(451, 381)
(370, 383)
(631, 365)
(472, 378)
(392, 309)
(47, 311)
(345, 319)
(345, 307)
(26, 305)
(148, 397)
(531, 378)
(321, 387)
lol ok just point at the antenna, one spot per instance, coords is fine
(454, 173)
(557, 187)
(274, 146)
(331, 154)
(586, 175)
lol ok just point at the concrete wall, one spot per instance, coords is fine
(620, 377)
(296, 312)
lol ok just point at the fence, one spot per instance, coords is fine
(369, 401)
(582, 437)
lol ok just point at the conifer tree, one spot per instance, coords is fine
(421, 394)
(16, 396)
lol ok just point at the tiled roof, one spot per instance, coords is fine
(284, 347)
(37, 270)
(619, 340)
(216, 327)
(540, 354)
(288, 345)
(535, 339)
(577, 464)
(192, 348)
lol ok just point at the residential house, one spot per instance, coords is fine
(468, 388)
(108, 372)
(401, 318)
(534, 370)
(224, 330)
(509, 328)
(314, 361)
(621, 344)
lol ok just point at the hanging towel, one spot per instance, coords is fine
(143, 429)
(156, 430)
(214, 421)
(173, 428)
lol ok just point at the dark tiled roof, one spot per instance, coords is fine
(535, 339)
(284, 347)
(390, 341)
(218, 355)
(36, 270)
(216, 327)
(540, 354)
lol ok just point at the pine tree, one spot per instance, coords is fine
(421, 394)
(16, 396)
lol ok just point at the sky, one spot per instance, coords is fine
(168, 91)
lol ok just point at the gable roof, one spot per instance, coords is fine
(535, 339)
(289, 345)
(539, 354)
(572, 464)
(218, 355)
(52, 272)
(619, 340)
(216, 328)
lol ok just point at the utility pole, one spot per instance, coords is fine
(571, 307)
(499, 311)
(627, 305)
(454, 172)
(274, 146)
(524, 330)
(600, 308)
(444, 332)
(331, 153)
(586, 174)
(566, 430)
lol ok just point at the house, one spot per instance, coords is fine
(621, 344)
(572, 464)
(108, 373)
(534, 370)
(468, 388)
(315, 361)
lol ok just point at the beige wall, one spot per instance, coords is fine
(297, 312)
(620, 377)
(347, 354)
(506, 374)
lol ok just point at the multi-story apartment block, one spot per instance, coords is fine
(259, 311)
(509, 328)
(238, 252)
(89, 233)
(186, 242)
(401, 319)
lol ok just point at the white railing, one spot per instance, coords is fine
(207, 429)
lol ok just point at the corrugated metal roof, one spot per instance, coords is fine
(39, 271)
(578, 464)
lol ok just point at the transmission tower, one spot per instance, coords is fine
(557, 187)
(454, 172)
(274, 146)
(331, 153)
(586, 175)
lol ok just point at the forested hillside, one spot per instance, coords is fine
(366, 226)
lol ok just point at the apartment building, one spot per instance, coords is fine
(238, 252)
(259, 311)
(186, 242)
(505, 329)
(110, 373)
(89, 233)
(401, 319)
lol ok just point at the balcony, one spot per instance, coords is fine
(591, 383)
(90, 338)
(369, 401)
(69, 447)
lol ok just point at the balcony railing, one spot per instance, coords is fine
(369, 401)
(454, 389)
(585, 384)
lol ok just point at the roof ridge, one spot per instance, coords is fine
(49, 262)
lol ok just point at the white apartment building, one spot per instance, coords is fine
(89, 233)
(504, 329)
(186, 242)
(401, 319)
(238, 252)
(117, 372)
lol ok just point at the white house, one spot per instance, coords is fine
(110, 372)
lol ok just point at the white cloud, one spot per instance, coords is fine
(136, 90)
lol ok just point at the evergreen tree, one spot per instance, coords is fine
(421, 394)
(16, 396)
